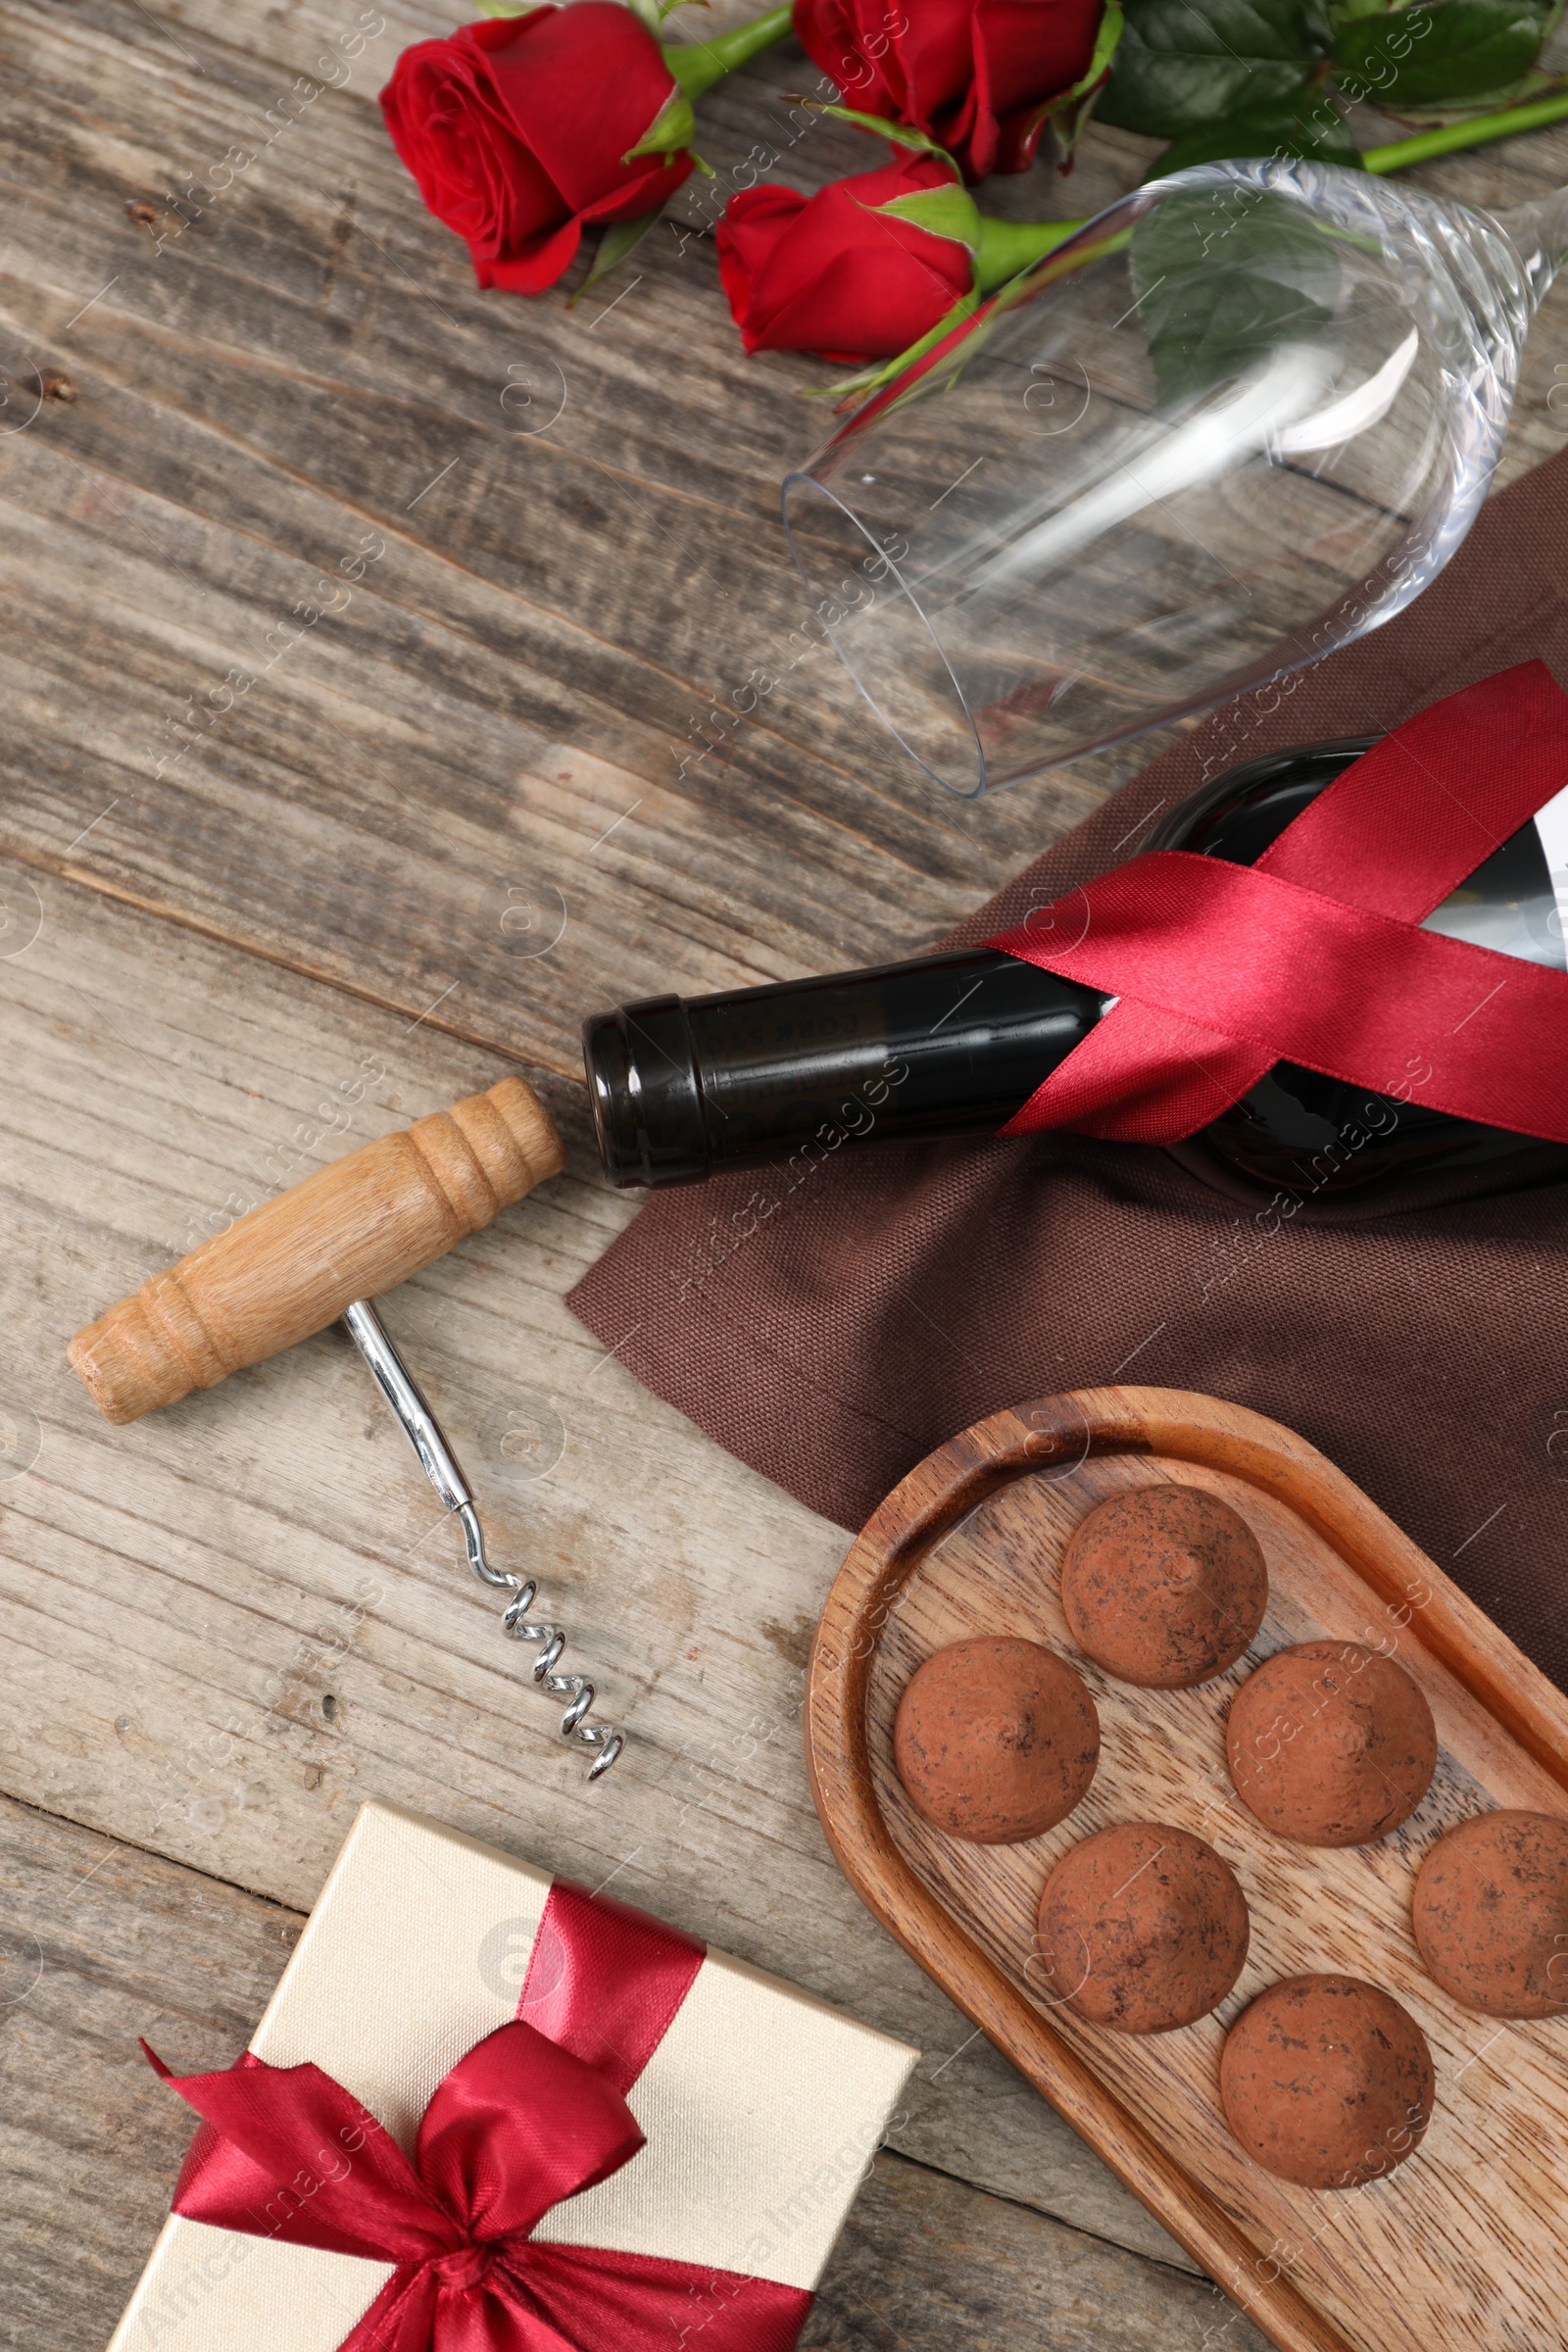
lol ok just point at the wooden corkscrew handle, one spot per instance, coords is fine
(290, 1266)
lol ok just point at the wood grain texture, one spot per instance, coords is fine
(102, 1943)
(560, 650)
(552, 628)
(923, 2259)
(289, 1267)
(551, 735)
(971, 1543)
(223, 1626)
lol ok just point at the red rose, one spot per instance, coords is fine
(516, 128)
(972, 73)
(830, 273)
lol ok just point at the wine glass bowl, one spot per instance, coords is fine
(1237, 420)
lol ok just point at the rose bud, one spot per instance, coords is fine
(868, 266)
(833, 274)
(522, 129)
(980, 76)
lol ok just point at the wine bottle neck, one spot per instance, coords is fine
(945, 1045)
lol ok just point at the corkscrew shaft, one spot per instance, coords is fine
(442, 1468)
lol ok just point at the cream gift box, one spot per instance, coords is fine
(761, 2105)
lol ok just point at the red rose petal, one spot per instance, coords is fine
(515, 129)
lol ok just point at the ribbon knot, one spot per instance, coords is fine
(1315, 955)
(531, 2116)
(468, 2268)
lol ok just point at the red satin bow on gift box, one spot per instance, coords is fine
(534, 2113)
(1315, 955)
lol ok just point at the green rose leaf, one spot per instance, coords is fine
(1069, 111)
(672, 131)
(1224, 275)
(1454, 54)
(1180, 66)
(950, 213)
(860, 386)
(614, 246)
(898, 134)
(1316, 129)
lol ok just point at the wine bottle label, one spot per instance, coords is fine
(1551, 828)
(1517, 900)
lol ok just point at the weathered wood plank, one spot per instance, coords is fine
(244, 426)
(225, 1625)
(538, 655)
(515, 700)
(98, 1945)
(593, 586)
(924, 2260)
(103, 1943)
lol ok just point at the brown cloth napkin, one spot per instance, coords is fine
(907, 1290)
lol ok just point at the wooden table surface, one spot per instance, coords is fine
(259, 840)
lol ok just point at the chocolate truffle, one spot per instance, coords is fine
(1164, 1585)
(1331, 1743)
(1142, 1928)
(1326, 2082)
(995, 1740)
(1490, 1914)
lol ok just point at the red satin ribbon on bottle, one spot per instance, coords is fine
(1315, 955)
(534, 2113)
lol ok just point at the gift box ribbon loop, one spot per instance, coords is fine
(533, 2114)
(1315, 955)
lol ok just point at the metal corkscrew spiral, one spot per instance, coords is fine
(397, 1385)
(575, 1688)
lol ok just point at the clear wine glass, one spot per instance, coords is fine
(1237, 420)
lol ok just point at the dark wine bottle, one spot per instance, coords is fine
(956, 1044)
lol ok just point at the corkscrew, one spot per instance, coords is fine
(324, 1249)
(442, 1468)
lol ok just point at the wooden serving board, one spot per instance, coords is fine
(1465, 2244)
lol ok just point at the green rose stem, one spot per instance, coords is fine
(1449, 137)
(693, 67)
(698, 65)
(1006, 247)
